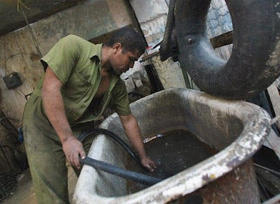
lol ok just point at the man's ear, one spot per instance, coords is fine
(117, 46)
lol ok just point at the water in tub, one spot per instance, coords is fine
(172, 151)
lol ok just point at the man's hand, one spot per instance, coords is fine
(133, 133)
(73, 149)
(148, 163)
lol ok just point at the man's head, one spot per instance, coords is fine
(127, 46)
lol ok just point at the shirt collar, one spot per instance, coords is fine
(95, 54)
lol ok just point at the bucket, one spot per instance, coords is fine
(235, 129)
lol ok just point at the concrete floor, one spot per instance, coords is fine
(24, 193)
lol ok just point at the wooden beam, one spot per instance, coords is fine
(222, 40)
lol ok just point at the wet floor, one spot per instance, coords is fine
(172, 151)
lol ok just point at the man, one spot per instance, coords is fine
(80, 81)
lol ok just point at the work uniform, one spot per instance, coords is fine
(77, 64)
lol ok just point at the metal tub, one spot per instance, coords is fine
(235, 128)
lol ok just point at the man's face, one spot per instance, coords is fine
(122, 60)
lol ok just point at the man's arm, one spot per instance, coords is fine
(54, 108)
(133, 133)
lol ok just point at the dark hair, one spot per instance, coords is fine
(130, 40)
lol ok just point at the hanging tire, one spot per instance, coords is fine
(255, 60)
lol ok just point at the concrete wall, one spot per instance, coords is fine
(152, 17)
(18, 51)
(219, 22)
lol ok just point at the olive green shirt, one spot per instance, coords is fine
(77, 64)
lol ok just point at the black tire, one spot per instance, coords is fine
(255, 60)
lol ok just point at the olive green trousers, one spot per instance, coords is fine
(47, 165)
(46, 158)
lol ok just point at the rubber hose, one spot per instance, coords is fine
(114, 137)
(138, 177)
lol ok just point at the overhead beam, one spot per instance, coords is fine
(12, 19)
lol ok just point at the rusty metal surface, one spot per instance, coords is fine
(238, 186)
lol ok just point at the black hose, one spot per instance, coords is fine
(138, 177)
(115, 137)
